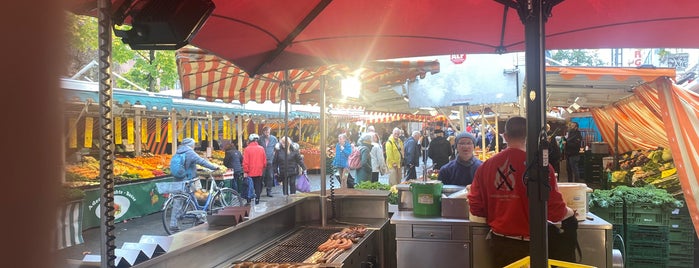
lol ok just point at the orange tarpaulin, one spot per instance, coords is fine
(621, 74)
(659, 114)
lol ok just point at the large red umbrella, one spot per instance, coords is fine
(262, 36)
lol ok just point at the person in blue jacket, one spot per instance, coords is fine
(343, 149)
(192, 159)
(461, 170)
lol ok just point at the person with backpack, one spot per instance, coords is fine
(183, 166)
(343, 149)
(364, 148)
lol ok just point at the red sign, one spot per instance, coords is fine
(458, 58)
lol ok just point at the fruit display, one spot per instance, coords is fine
(218, 154)
(87, 171)
(644, 167)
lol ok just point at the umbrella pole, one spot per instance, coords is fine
(534, 22)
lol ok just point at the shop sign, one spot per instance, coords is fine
(458, 58)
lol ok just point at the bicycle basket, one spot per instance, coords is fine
(170, 187)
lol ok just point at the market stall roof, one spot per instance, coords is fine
(204, 75)
(596, 86)
(83, 91)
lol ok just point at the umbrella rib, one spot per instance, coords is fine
(396, 36)
(290, 38)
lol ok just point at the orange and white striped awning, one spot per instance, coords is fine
(210, 77)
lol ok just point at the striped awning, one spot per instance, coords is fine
(207, 76)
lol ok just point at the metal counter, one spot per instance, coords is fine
(268, 223)
(446, 242)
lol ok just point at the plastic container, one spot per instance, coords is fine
(575, 196)
(427, 198)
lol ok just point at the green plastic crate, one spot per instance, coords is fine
(681, 235)
(645, 249)
(613, 215)
(647, 215)
(646, 233)
(646, 263)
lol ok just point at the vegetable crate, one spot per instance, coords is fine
(645, 249)
(645, 233)
(646, 214)
(646, 263)
(614, 215)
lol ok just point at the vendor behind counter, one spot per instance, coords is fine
(461, 170)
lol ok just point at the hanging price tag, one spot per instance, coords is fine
(195, 131)
(180, 130)
(169, 131)
(215, 130)
(226, 134)
(144, 130)
(129, 131)
(158, 129)
(188, 129)
(88, 133)
(73, 133)
(117, 130)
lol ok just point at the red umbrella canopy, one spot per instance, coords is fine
(265, 36)
(261, 36)
(208, 76)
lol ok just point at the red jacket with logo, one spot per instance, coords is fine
(498, 194)
(254, 159)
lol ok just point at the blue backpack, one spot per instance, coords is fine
(177, 167)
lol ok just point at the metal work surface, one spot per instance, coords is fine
(435, 241)
(280, 222)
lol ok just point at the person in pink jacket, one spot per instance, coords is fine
(254, 162)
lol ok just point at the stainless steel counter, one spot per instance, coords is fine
(445, 242)
(218, 246)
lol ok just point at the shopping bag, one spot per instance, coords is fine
(383, 169)
(303, 184)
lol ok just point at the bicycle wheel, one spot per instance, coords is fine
(176, 214)
(226, 197)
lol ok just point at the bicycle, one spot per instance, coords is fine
(191, 213)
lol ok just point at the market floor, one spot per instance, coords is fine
(132, 230)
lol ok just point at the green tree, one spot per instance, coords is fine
(152, 70)
(577, 57)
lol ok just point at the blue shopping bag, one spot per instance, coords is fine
(303, 184)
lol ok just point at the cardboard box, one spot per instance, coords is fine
(455, 208)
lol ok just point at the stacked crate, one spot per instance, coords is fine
(591, 169)
(654, 235)
(647, 232)
(615, 216)
(681, 239)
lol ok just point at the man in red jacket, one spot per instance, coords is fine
(499, 195)
(254, 162)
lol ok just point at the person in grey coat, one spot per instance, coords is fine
(365, 146)
(268, 141)
(412, 156)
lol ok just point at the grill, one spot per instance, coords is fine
(297, 247)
